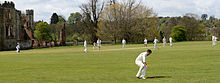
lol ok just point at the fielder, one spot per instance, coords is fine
(155, 43)
(124, 43)
(171, 41)
(145, 42)
(141, 62)
(99, 44)
(214, 40)
(18, 48)
(164, 42)
(85, 46)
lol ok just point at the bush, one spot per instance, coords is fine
(178, 33)
(42, 32)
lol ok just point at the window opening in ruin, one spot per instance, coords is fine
(9, 15)
(7, 31)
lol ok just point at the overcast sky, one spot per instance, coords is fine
(43, 9)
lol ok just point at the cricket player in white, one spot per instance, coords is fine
(99, 44)
(145, 42)
(141, 62)
(85, 45)
(155, 43)
(124, 43)
(164, 42)
(214, 40)
(18, 48)
(171, 41)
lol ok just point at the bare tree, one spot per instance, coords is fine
(91, 14)
(112, 2)
(129, 20)
(194, 29)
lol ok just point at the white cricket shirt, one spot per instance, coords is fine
(171, 39)
(145, 41)
(142, 57)
(124, 41)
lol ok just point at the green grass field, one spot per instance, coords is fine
(186, 62)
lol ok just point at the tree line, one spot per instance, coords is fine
(113, 20)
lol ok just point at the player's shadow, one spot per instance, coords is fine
(153, 77)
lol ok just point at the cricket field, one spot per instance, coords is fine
(185, 62)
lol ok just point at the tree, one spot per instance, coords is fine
(168, 24)
(178, 33)
(61, 18)
(217, 23)
(54, 19)
(74, 18)
(194, 29)
(76, 38)
(54, 30)
(76, 26)
(112, 2)
(91, 14)
(215, 31)
(109, 23)
(42, 32)
(130, 20)
(204, 16)
(55, 26)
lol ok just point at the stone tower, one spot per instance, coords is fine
(30, 18)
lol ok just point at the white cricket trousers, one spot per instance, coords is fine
(142, 69)
(17, 50)
(214, 43)
(85, 50)
(124, 46)
(155, 46)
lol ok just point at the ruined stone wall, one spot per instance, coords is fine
(17, 25)
(25, 44)
(9, 44)
(29, 24)
(11, 28)
(1, 28)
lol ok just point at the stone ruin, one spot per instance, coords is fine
(15, 27)
(63, 36)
